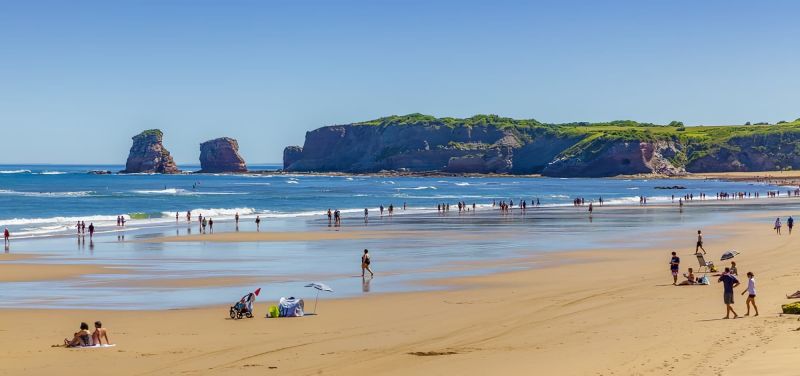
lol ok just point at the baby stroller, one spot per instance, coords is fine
(244, 307)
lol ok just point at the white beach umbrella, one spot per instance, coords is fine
(320, 287)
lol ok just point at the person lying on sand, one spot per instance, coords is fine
(81, 338)
(690, 279)
(99, 333)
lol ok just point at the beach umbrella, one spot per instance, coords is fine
(320, 287)
(728, 255)
(258, 290)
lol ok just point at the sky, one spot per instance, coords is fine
(78, 79)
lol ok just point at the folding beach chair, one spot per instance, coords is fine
(704, 264)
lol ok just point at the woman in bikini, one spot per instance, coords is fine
(365, 261)
(81, 338)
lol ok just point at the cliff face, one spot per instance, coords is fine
(221, 155)
(355, 148)
(490, 144)
(610, 158)
(148, 155)
(760, 152)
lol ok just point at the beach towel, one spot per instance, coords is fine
(94, 347)
(291, 307)
(791, 308)
(703, 280)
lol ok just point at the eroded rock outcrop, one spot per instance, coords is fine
(221, 155)
(148, 155)
(610, 158)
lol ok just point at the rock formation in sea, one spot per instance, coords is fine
(221, 155)
(148, 155)
(493, 144)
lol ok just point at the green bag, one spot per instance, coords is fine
(274, 312)
(791, 308)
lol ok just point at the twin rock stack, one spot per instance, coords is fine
(148, 155)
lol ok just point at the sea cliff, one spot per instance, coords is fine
(148, 155)
(221, 155)
(493, 144)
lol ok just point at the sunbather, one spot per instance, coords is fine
(81, 338)
(690, 278)
(99, 333)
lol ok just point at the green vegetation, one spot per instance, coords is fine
(431, 121)
(150, 132)
(783, 139)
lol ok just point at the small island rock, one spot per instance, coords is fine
(221, 155)
(148, 155)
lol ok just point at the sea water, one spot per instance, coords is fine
(40, 205)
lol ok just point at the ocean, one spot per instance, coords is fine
(48, 200)
(40, 205)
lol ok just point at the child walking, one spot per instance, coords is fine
(751, 291)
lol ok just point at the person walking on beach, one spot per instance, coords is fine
(365, 261)
(6, 236)
(258, 223)
(699, 244)
(177, 217)
(91, 230)
(790, 224)
(366, 215)
(236, 217)
(211, 225)
(590, 208)
(778, 225)
(188, 216)
(674, 267)
(203, 225)
(729, 282)
(751, 293)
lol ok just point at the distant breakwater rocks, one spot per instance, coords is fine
(148, 155)
(489, 144)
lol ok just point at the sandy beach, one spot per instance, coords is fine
(590, 312)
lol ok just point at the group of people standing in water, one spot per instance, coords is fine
(81, 227)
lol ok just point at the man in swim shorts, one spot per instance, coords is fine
(674, 267)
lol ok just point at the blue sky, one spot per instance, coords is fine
(79, 78)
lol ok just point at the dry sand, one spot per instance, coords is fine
(602, 313)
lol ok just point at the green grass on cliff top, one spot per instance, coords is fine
(150, 132)
(619, 129)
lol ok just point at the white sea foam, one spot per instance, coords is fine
(417, 188)
(45, 194)
(211, 212)
(183, 192)
(50, 173)
(292, 182)
(53, 221)
(15, 171)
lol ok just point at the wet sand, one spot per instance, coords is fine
(337, 233)
(592, 312)
(15, 272)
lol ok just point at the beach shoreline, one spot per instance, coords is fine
(605, 306)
